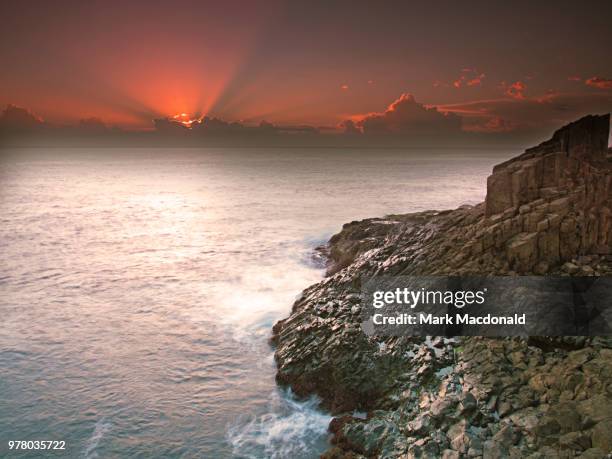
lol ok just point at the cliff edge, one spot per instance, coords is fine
(547, 211)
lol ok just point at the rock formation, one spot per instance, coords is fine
(552, 203)
(547, 211)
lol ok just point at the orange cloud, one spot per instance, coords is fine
(469, 77)
(476, 81)
(550, 96)
(514, 90)
(491, 125)
(574, 78)
(344, 87)
(601, 83)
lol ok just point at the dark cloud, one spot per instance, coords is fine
(528, 114)
(505, 120)
(93, 125)
(407, 117)
(202, 125)
(168, 125)
(17, 118)
(349, 127)
(217, 127)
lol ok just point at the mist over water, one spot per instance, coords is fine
(138, 288)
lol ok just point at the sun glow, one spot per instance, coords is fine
(186, 119)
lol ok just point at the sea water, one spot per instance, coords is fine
(138, 288)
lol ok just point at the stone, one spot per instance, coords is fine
(596, 409)
(576, 441)
(593, 453)
(560, 206)
(601, 436)
(570, 268)
(499, 193)
(468, 403)
(567, 416)
(458, 436)
(541, 268)
(442, 407)
(586, 271)
(494, 450)
(522, 250)
(420, 426)
(505, 436)
(547, 426)
(543, 225)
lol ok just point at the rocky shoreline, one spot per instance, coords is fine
(546, 212)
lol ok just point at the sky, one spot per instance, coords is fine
(478, 66)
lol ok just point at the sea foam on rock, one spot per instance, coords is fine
(547, 211)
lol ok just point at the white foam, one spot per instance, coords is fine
(291, 428)
(262, 295)
(101, 428)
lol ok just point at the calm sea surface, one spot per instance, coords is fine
(138, 288)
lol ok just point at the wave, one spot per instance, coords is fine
(291, 428)
(101, 428)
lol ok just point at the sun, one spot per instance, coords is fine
(186, 119)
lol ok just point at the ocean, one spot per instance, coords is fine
(138, 288)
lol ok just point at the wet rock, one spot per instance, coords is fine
(339, 453)
(337, 424)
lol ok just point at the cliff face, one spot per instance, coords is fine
(565, 162)
(552, 203)
(546, 212)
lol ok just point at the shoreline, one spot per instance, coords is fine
(508, 397)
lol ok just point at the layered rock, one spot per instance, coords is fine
(547, 212)
(552, 203)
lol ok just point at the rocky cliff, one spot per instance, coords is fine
(547, 211)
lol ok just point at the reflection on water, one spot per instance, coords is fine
(137, 292)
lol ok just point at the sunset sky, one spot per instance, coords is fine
(500, 66)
